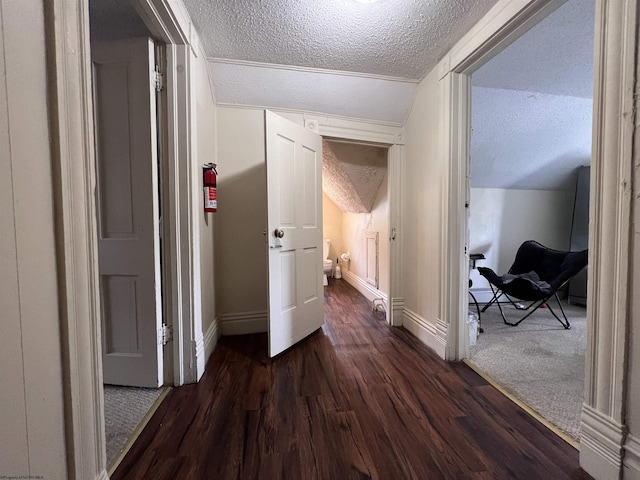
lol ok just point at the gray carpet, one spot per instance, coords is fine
(538, 361)
(124, 408)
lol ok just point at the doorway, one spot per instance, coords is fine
(128, 114)
(355, 201)
(531, 121)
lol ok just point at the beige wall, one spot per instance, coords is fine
(204, 131)
(31, 418)
(241, 256)
(241, 273)
(423, 219)
(500, 220)
(332, 226)
(354, 227)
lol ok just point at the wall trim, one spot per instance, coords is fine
(631, 459)
(323, 71)
(199, 355)
(368, 131)
(426, 332)
(600, 444)
(395, 192)
(369, 291)
(397, 311)
(392, 135)
(211, 337)
(72, 148)
(243, 323)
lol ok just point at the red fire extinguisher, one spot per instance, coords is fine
(209, 175)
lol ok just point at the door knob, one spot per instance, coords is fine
(278, 232)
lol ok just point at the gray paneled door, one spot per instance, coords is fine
(128, 212)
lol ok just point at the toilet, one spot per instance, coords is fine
(327, 264)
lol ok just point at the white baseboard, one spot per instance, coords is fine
(369, 291)
(211, 337)
(244, 323)
(397, 311)
(429, 334)
(600, 444)
(631, 462)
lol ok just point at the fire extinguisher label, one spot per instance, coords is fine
(210, 200)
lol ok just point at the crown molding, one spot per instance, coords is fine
(321, 71)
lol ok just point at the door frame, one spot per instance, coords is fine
(604, 438)
(72, 135)
(392, 135)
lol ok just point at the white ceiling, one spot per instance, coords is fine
(401, 38)
(346, 58)
(555, 56)
(352, 174)
(360, 60)
(532, 126)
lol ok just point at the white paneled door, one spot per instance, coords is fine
(128, 212)
(294, 206)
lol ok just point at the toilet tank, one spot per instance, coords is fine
(325, 248)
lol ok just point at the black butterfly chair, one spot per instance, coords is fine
(536, 275)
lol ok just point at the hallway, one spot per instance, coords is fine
(357, 399)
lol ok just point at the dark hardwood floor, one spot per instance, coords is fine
(357, 399)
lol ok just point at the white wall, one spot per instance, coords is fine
(204, 131)
(241, 256)
(354, 227)
(500, 220)
(332, 226)
(32, 436)
(241, 273)
(423, 216)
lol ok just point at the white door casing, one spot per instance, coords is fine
(294, 207)
(127, 210)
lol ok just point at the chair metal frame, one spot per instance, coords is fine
(497, 293)
(528, 256)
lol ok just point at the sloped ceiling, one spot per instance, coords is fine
(340, 57)
(352, 174)
(531, 113)
(400, 38)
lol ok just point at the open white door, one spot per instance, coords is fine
(128, 215)
(294, 206)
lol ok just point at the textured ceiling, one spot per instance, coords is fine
(532, 128)
(352, 174)
(530, 141)
(555, 56)
(402, 38)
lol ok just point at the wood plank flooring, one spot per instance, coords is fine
(356, 400)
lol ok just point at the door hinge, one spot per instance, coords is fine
(165, 334)
(158, 79)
